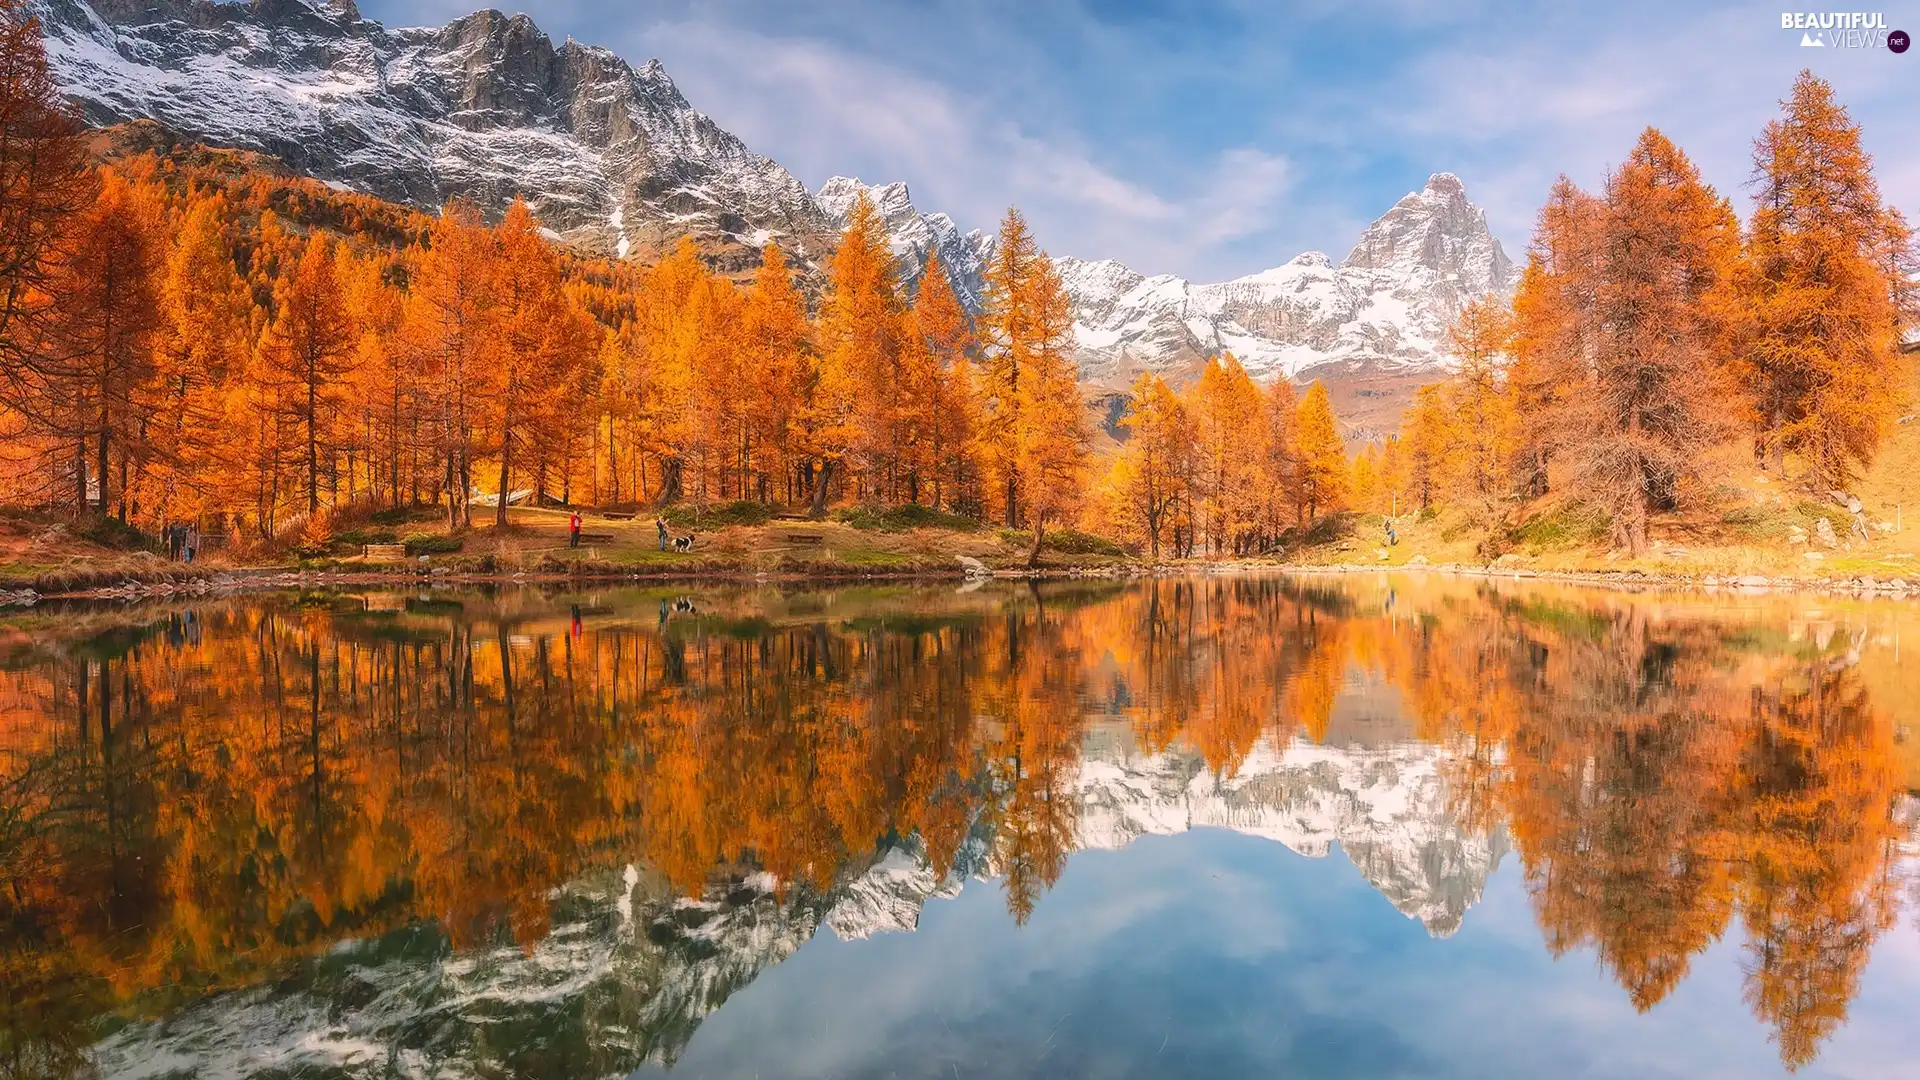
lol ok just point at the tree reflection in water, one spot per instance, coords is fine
(205, 798)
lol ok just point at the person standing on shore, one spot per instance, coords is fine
(573, 530)
(660, 526)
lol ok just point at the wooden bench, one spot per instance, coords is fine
(791, 517)
(385, 552)
(612, 516)
(596, 538)
(804, 538)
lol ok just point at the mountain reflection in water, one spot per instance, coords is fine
(547, 835)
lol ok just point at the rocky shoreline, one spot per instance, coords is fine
(135, 587)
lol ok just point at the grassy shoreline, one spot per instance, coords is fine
(49, 559)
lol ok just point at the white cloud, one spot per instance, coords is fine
(832, 112)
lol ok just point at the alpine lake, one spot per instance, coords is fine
(1230, 826)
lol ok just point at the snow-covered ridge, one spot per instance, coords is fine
(484, 108)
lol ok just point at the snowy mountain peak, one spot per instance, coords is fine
(1437, 231)
(1386, 305)
(912, 235)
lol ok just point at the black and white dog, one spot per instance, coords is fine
(683, 543)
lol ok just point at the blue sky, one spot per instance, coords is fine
(1220, 137)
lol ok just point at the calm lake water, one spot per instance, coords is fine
(1323, 827)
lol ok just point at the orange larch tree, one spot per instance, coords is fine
(1823, 292)
(306, 355)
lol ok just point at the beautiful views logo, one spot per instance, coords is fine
(1844, 30)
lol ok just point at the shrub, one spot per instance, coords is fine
(111, 532)
(316, 536)
(1570, 524)
(431, 544)
(1327, 529)
(1075, 542)
(904, 518)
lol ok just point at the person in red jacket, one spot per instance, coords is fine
(573, 530)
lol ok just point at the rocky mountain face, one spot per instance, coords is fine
(485, 108)
(614, 158)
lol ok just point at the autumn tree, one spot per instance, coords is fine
(1429, 433)
(1481, 449)
(776, 365)
(1645, 392)
(1028, 324)
(861, 332)
(1822, 292)
(940, 388)
(106, 308)
(307, 354)
(1051, 436)
(1555, 325)
(388, 395)
(543, 344)
(44, 184)
(1322, 475)
(1278, 455)
(446, 329)
(1145, 480)
(201, 347)
(1225, 407)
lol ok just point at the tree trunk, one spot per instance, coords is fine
(1033, 554)
(819, 508)
(102, 462)
(506, 467)
(313, 447)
